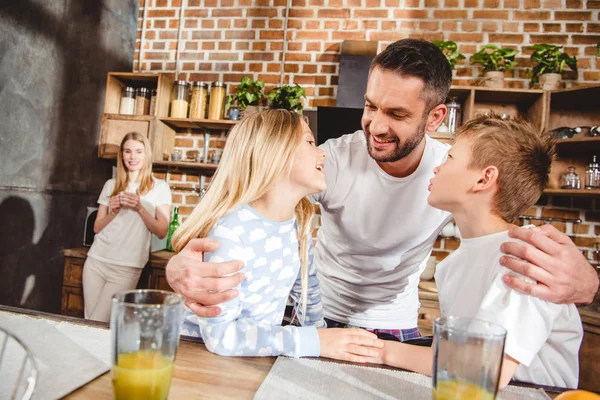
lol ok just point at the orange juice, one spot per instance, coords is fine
(144, 375)
(457, 390)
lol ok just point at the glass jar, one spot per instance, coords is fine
(592, 175)
(570, 179)
(199, 100)
(127, 101)
(153, 102)
(217, 100)
(453, 119)
(180, 100)
(142, 101)
(176, 155)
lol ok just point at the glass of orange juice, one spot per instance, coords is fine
(144, 327)
(467, 358)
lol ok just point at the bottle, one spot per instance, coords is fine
(172, 227)
(199, 100)
(179, 102)
(454, 115)
(570, 180)
(592, 175)
(216, 104)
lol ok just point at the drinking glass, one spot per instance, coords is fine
(144, 327)
(467, 358)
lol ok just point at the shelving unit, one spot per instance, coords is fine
(187, 123)
(211, 168)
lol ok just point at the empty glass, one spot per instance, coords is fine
(467, 358)
(144, 326)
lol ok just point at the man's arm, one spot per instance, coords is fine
(203, 284)
(562, 273)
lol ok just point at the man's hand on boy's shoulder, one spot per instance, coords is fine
(562, 273)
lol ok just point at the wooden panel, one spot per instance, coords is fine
(163, 94)
(115, 127)
(72, 301)
(158, 280)
(589, 354)
(573, 108)
(359, 47)
(425, 320)
(73, 271)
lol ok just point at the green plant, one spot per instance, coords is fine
(494, 58)
(450, 50)
(248, 93)
(287, 97)
(598, 49)
(550, 59)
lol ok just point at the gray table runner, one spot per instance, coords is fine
(322, 380)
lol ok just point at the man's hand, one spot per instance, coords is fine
(202, 284)
(349, 344)
(562, 273)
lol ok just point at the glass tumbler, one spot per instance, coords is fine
(467, 358)
(144, 326)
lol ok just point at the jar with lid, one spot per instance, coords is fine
(199, 100)
(142, 101)
(127, 106)
(570, 179)
(153, 102)
(176, 155)
(453, 119)
(592, 175)
(217, 100)
(180, 100)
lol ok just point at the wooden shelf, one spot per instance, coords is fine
(441, 135)
(222, 124)
(573, 192)
(186, 164)
(582, 139)
(126, 117)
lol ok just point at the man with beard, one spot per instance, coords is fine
(377, 227)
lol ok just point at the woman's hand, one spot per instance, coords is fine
(203, 285)
(131, 200)
(562, 273)
(349, 344)
(114, 204)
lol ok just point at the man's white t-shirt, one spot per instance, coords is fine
(544, 337)
(125, 240)
(377, 233)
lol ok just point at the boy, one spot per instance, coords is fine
(495, 171)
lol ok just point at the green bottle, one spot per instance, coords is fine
(172, 227)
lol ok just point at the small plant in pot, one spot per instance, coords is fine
(551, 62)
(450, 50)
(248, 95)
(287, 97)
(495, 60)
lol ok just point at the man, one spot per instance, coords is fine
(377, 228)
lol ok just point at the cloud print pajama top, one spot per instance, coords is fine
(250, 325)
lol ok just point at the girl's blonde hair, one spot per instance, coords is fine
(122, 178)
(259, 151)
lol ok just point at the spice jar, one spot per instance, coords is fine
(179, 101)
(570, 179)
(592, 175)
(153, 102)
(217, 100)
(142, 102)
(176, 155)
(127, 101)
(199, 100)
(453, 119)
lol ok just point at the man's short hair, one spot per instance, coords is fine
(420, 59)
(522, 155)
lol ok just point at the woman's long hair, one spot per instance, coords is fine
(122, 178)
(259, 151)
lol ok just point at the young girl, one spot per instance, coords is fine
(132, 207)
(257, 208)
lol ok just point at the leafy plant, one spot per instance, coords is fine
(450, 50)
(287, 97)
(550, 59)
(598, 49)
(494, 58)
(248, 93)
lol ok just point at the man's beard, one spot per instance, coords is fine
(402, 149)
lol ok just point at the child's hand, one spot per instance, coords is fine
(349, 344)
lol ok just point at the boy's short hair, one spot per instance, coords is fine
(522, 155)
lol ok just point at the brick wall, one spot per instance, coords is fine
(223, 40)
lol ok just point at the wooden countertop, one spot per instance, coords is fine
(157, 258)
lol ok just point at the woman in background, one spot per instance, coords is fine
(132, 207)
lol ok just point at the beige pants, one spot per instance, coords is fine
(101, 281)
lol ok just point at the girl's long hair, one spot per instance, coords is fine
(122, 178)
(259, 151)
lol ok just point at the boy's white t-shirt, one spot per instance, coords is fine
(376, 236)
(125, 240)
(544, 337)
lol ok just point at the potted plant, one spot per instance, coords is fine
(287, 97)
(450, 50)
(551, 62)
(248, 95)
(495, 60)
